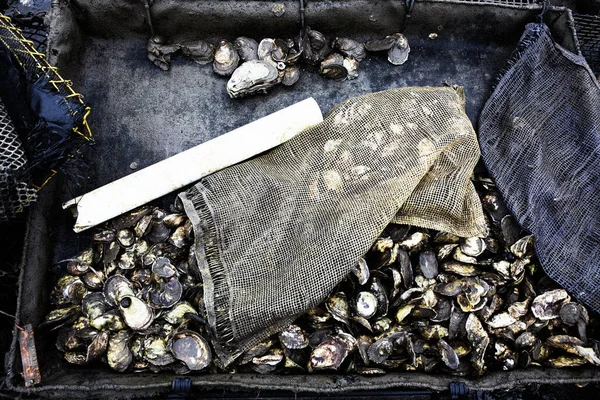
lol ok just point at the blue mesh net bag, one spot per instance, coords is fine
(540, 138)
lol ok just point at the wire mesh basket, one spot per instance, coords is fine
(33, 28)
(49, 119)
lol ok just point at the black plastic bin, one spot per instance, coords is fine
(144, 115)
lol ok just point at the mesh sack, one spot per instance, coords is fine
(540, 138)
(275, 234)
(15, 191)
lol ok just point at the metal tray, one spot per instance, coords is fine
(144, 115)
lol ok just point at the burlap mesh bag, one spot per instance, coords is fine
(540, 139)
(275, 234)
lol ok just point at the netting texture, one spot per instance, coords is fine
(539, 136)
(588, 33)
(32, 27)
(277, 233)
(15, 192)
(49, 116)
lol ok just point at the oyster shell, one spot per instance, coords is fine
(428, 264)
(159, 52)
(226, 59)
(351, 65)
(116, 287)
(380, 44)
(479, 339)
(337, 305)
(366, 304)
(398, 53)
(361, 270)
(192, 349)
(163, 268)
(200, 51)
(448, 355)
(118, 354)
(472, 246)
(252, 77)
(291, 74)
(156, 351)
(98, 347)
(350, 48)
(332, 67)
(247, 48)
(315, 46)
(136, 313)
(381, 350)
(77, 268)
(547, 305)
(167, 294)
(329, 354)
(396, 45)
(179, 313)
(293, 338)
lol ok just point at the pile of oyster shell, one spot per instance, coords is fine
(131, 299)
(255, 67)
(419, 300)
